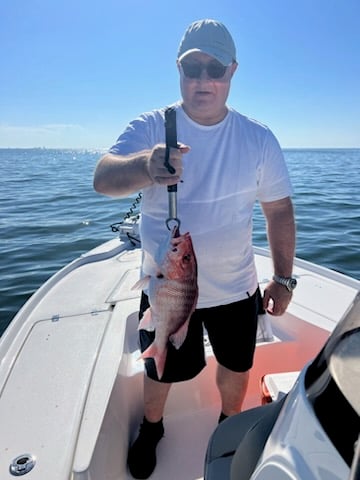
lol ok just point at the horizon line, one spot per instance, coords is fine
(107, 148)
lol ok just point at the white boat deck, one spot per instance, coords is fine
(71, 381)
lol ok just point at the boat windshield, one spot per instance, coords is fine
(332, 381)
(348, 325)
(344, 364)
(350, 322)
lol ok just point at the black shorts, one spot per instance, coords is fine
(232, 333)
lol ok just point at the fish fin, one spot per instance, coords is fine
(178, 338)
(149, 265)
(159, 356)
(147, 323)
(141, 284)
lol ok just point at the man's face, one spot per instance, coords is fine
(205, 85)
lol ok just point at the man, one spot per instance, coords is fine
(224, 163)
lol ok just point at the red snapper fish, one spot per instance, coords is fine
(173, 293)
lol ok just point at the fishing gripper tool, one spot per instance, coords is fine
(171, 141)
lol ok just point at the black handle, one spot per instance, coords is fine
(171, 141)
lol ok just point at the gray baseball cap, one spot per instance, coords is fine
(210, 37)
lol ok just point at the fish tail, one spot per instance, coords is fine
(159, 356)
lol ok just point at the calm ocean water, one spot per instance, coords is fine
(50, 214)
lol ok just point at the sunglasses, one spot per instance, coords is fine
(214, 69)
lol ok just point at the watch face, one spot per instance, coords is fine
(292, 283)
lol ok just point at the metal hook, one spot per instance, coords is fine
(169, 220)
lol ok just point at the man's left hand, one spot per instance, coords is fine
(276, 298)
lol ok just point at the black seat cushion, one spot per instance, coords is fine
(236, 445)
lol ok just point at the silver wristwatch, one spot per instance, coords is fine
(288, 282)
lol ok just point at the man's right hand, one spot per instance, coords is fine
(157, 169)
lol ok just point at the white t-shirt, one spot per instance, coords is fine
(230, 166)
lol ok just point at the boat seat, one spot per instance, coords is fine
(236, 445)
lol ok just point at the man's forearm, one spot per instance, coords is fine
(281, 232)
(118, 176)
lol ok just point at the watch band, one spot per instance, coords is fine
(288, 282)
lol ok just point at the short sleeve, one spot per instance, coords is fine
(141, 134)
(273, 177)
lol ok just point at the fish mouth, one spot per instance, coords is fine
(175, 232)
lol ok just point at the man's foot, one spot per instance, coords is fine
(142, 454)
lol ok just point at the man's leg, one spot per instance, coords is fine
(232, 334)
(142, 454)
(182, 364)
(232, 387)
(155, 395)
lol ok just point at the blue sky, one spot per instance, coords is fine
(74, 72)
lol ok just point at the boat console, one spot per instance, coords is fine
(315, 427)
